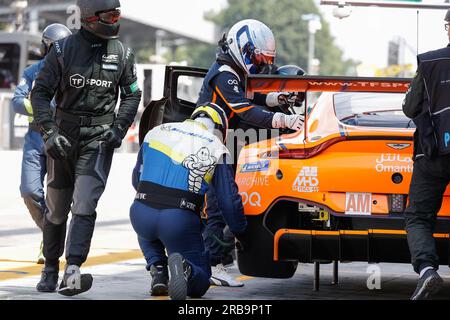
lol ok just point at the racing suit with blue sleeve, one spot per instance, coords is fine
(34, 158)
(177, 164)
(224, 85)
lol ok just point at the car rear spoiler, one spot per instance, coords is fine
(279, 83)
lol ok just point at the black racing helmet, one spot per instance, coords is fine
(101, 17)
(447, 16)
(52, 33)
(291, 70)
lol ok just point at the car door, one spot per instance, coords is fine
(181, 88)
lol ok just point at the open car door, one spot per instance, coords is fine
(181, 88)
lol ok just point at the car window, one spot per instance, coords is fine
(371, 109)
(188, 88)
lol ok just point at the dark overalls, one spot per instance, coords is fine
(428, 104)
(87, 74)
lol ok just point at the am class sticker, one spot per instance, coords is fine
(357, 203)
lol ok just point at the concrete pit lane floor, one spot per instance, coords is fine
(118, 267)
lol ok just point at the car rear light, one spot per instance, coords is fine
(397, 203)
(306, 153)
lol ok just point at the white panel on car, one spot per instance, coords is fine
(358, 203)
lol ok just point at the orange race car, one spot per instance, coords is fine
(335, 191)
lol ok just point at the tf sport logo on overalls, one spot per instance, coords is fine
(78, 81)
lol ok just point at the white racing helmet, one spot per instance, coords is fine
(251, 45)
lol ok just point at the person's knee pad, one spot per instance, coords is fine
(84, 208)
(87, 192)
(37, 211)
(58, 205)
(56, 218)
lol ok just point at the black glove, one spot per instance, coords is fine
(57, 146)
(268, 69)
(113, 137)
(243, 241)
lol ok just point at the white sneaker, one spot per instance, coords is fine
(220, 277)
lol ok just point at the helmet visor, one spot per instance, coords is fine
(110, 17)
(261, 59)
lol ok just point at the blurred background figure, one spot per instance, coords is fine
(34, 159)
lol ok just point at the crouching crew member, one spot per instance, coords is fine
(177, 164)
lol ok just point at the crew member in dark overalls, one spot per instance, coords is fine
(87, 71)
(428, 104)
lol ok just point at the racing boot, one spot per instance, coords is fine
(180, 271)
(160, 280)
(49, 279)
(41, 259)
(74, 282)
(429, 284)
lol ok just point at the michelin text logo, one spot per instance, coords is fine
(78, 81)
(307, 180)
(255, 166)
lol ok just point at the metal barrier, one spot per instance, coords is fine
(6, 121)
(13, 127)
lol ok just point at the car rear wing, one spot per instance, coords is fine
(281, 83)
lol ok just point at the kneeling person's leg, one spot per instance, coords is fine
(184, 237)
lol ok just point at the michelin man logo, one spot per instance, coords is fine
(199, 166)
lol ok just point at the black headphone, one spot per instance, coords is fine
(223, 43)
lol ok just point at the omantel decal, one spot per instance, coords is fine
(307, 180)
(388, 162)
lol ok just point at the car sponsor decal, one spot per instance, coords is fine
(358, 203)
(254, 199)
(255, 166)
(253, 181)
(307, 180)
(325, 84)
(390, 162)
(398, 146)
